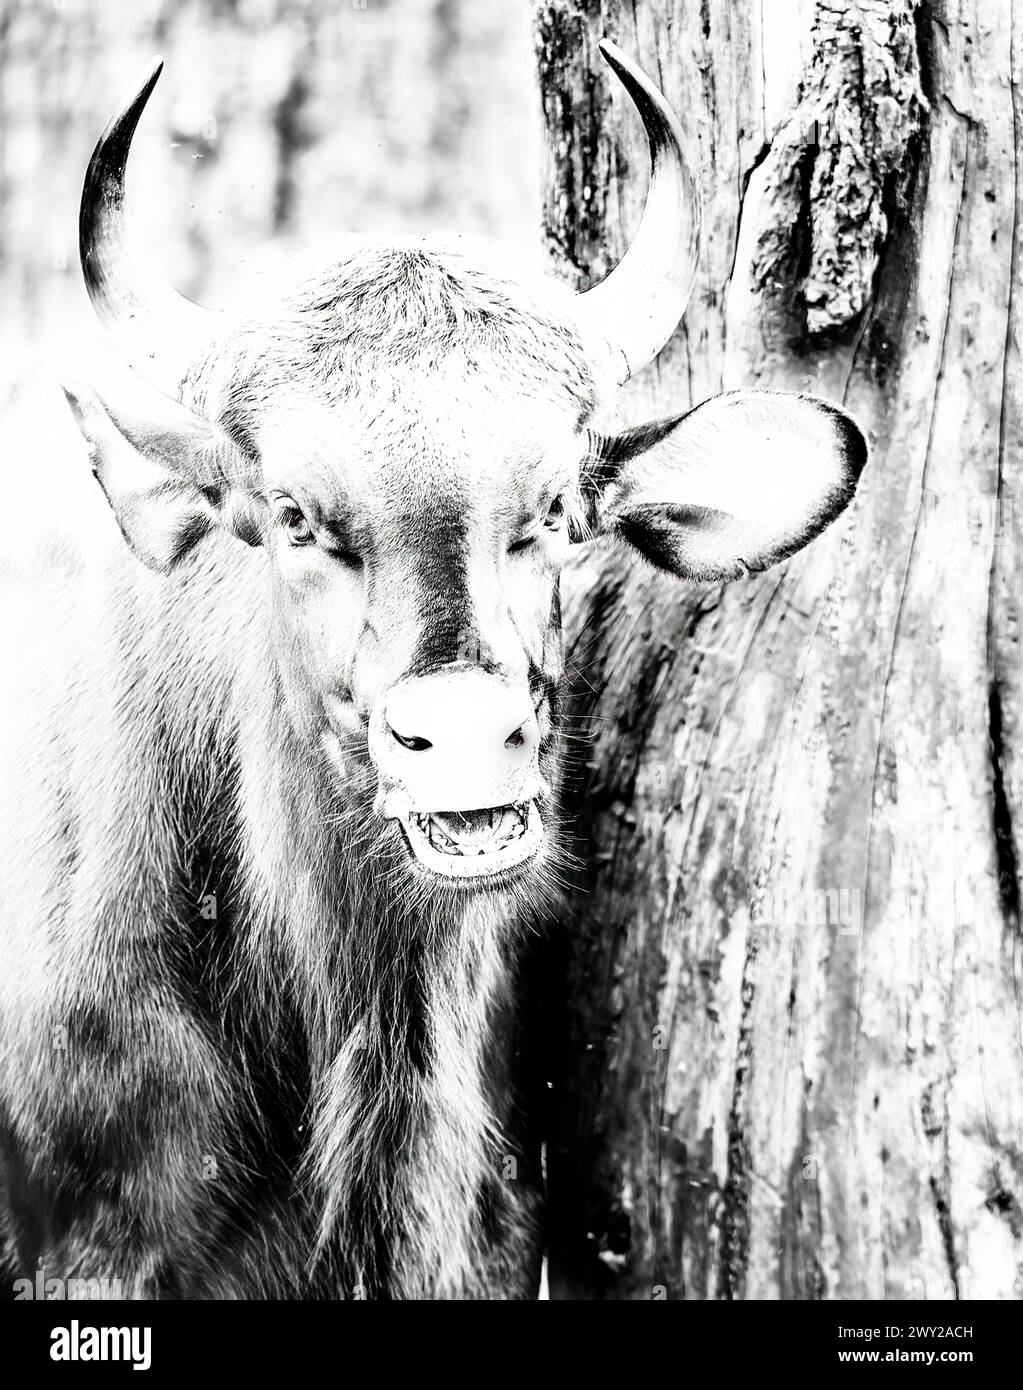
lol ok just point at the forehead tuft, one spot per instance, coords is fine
(403, 311)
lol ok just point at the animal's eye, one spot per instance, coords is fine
(555, 513)
(552, 521)
(296, 528)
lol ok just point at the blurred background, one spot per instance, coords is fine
(276, 123)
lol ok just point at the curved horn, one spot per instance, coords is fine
(638, 306)
(160, 331)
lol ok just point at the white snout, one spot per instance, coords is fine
(456, 753)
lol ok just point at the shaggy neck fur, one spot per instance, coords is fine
(403, 1000)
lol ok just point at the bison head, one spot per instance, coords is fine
(409, 437)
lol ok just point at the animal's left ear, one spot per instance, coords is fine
(737, 484)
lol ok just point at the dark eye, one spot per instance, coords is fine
(552, 520)
(555, 513)
(296, 528)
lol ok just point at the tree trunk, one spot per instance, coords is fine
(787, 1058)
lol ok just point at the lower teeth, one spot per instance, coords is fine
(444, 843)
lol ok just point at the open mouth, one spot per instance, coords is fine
(475, 844)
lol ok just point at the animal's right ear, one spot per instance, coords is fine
(163, 469)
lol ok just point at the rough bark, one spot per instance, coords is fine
(786, 1057)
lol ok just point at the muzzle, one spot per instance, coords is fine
(457, 755)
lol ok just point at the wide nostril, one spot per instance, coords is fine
(417, 745)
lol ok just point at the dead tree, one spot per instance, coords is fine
(786, 1056)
